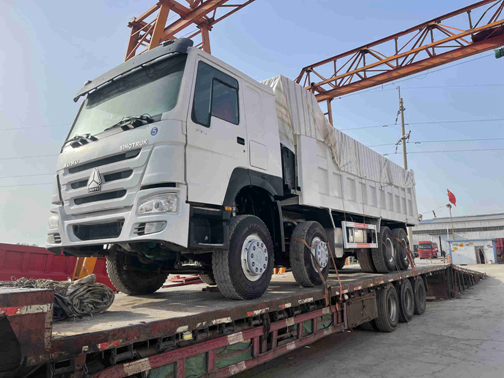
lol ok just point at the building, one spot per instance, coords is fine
(478, 251)
(473, 227)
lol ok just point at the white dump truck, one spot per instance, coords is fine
(179, 163)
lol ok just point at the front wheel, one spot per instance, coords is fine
(120, 269)
(244, 270)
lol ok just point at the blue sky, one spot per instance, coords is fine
(49, 49)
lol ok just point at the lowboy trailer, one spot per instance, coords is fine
(196, 331)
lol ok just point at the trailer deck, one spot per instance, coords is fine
(190, 305)
(176, 329)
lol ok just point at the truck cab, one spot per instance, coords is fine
(160, 149)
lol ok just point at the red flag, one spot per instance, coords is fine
(451, 198)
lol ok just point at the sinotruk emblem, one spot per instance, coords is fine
(95, 181)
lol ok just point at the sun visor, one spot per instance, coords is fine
(169, 47)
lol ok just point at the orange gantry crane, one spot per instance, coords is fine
(467, 31)
(199, 14)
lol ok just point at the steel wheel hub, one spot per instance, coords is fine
(254, 257)
(392, 308)
(389, 250)
(320, 252)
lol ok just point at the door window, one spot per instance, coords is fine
(216, 94)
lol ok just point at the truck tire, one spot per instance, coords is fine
(301, 262)
(384, 256)
(365, 260)
(208, 278)
(420, 296)
(244, 270)
(387, 303)
(406, 302)
(129, 281)
(402, 261)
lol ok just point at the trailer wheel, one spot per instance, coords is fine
(384, 256)
(420, 296)
(387, 303)
(402, 261)
(131, 282)
(300, 256)
(208, 278)
(406, 302)
(244, 270)
(365, 260)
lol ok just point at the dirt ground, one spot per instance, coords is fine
(457, 338)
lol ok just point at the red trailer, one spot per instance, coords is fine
(195, 331)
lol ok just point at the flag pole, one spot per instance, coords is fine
(451, 219)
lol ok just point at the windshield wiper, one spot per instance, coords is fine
(131, 122)
(80, 140)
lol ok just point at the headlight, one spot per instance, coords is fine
(53, 222)
(162, 203)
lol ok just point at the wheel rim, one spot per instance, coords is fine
(406, 245)
(254, 257)
(320, 252)
(392, 308)
(389, 251)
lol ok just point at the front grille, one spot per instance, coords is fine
(105, 161)
(98, 231)
(100, 197)
(140, 229)
(107, 178)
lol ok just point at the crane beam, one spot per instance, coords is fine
(444, 39)
(151, 30)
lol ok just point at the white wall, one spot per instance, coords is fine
(464, 252)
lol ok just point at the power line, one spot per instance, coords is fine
(440, 141)
(27, 157)
(38, 174)
(11, 186)
(440, 207)
(447, 151)
(428, 123)
(34, 127)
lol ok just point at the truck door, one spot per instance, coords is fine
(216, 134)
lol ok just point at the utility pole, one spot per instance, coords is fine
(405, 155)
(403, 130)
(449, 206)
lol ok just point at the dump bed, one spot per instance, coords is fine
(334, 170)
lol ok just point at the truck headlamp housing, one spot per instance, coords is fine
(53, 222)
(161, 203)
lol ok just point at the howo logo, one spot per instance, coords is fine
(94, 182)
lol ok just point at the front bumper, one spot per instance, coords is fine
(175, 232)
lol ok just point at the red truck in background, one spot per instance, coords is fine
(427, 249)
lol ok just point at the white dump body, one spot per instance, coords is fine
(334, 170)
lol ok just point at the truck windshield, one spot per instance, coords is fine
(151, 90)
(425, 246)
